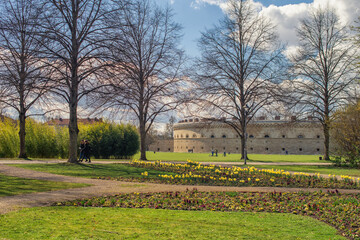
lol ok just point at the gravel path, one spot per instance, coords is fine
(106, 187)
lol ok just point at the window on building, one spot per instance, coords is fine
(194, 135)
(237, 148)
(169, 149)
(251, 148)
(186, 147)
(202, 147)
(266, 136)
(237, 136)
(283, 136)
(187, 135)
(301, 136)
(224, 148)
(300, 149)
(318, 149)
(181, 136)
(224, 136)
(251, 136)
(158, 149)
(267, 149)
(212, 136)
(318, 136)
(283, 149)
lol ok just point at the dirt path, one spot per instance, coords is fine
(105, 187)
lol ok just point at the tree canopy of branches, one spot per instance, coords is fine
(346, 133)
(75, 33)
(240, 64)
(145, 79)
(22, 75)
(324, 66)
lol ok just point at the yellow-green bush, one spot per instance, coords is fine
(44, 141)
(9, 139)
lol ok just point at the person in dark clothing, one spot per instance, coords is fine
(87, 150)
(82, 147)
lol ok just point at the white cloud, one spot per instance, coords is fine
(287, 17)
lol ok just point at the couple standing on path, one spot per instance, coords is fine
(84, 151)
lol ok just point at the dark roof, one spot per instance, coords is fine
(65, 122)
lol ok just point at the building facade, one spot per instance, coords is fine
(264, 137)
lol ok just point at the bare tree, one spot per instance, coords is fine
(324, 66)
(145, 77)
(240, 63)
(169, 128)
(75, 30)
(22, 75)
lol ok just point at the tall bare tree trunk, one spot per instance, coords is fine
(73, 131)
(142, 141)
(22, 134)
(326, 128)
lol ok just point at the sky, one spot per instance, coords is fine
(196, 16)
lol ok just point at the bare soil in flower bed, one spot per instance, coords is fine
(339, 210)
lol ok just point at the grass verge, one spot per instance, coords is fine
(10, 186)
(333, 170)
(107, 223)
(91, 170)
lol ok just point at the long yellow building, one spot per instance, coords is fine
(264, 137)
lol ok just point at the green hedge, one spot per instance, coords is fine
(111, 140)
(44, 141)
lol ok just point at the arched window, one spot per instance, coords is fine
(301, 136)
(283, 136)
(224, 136)
(300, 149)
(266, 136)
(212, 136)
(194, 135)
(187, 135)
(251, 136)
(181, 136)
(267, 149)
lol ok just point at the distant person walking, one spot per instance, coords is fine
(82, 152)
(87, 151)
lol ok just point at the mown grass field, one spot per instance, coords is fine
(206, 157)
(110, 223)
(10, 186)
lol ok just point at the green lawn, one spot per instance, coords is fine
(206, 157)
(110, 223)
(10, 186)
(314, 169)
(90, 170)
